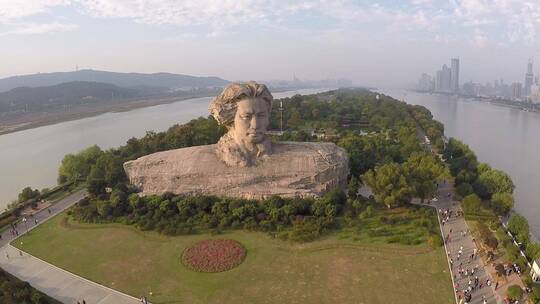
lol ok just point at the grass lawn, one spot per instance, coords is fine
(331, 270)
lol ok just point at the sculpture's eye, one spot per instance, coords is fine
(246, 117)
(261, 115)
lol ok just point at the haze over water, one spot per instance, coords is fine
(32, 157)
(505, 138)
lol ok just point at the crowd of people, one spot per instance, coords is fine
(464, 262)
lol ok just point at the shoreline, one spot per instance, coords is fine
(86, 112)
(490, 100)
(95, 111)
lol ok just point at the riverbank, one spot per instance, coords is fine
(519, 105)
(50, 118)
(36, 120)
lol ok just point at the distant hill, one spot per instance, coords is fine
(126, 80)
(28, 99)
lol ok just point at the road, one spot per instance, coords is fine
(454, 228)
(42, 216)
(55, 282)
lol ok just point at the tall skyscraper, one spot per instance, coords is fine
(454, 76)
(442, 80)
(529, 78)
(516, 90)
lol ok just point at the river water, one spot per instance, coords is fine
(32, 157)
(505, 138)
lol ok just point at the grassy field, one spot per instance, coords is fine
(335, 269)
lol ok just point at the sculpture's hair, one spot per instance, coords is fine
(223, 107)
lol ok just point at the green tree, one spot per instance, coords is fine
(492, 181)
(423, 170)
(294, 120)
(352, 187)
(27, 193)
(533, 251)
(514, 292)
(464, 189)
(518, 225)
(389, 184)
(502, 203)
(96, 187)
(471, 204)
(78, 166)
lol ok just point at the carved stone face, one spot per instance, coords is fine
(251, 120)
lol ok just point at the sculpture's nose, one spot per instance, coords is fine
(254, 122)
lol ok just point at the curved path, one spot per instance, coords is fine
(55, 282)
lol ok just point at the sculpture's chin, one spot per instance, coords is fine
(256, 140)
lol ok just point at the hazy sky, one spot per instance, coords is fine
(379, 43)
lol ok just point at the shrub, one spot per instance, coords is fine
(367, 213)
(502, 203)
(514, 292)
(471, 204)
(535, 294)
(519, 226)
(464, 189)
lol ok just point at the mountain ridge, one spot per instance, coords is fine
(126, 80)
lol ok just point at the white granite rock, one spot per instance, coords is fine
(294, 169)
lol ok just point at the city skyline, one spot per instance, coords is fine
(309, 39)
(446, 80)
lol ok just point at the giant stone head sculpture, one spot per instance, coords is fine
(244, 109)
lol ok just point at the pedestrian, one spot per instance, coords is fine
(20, 253)
(83, 301)
(35, 221)
(7, 255)
(49, 210)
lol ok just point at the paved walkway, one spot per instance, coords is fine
(458, 225)
(57, 283)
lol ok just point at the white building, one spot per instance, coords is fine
(535, 271)
(535, 93)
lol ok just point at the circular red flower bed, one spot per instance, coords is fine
(214, 255)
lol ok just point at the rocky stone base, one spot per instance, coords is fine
(294, 169)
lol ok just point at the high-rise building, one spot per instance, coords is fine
(425, 83)
(442, 81)
(454, 76)
(529, 78)
(516, 90)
